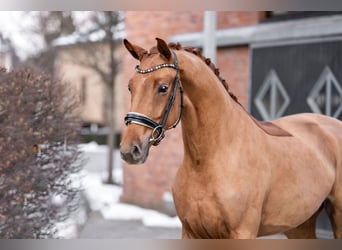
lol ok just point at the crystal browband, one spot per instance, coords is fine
(149, 70)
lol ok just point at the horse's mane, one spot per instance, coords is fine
(198, 53)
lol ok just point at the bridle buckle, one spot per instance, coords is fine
(160, 135)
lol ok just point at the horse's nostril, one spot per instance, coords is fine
(136, 151)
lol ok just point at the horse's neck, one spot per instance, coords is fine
(211, 118)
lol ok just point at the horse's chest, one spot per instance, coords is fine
(203, 219)
(202, 214)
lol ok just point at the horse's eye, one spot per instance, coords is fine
(163, 88)
(129, 88)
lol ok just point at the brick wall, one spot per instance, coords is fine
(234, 67)
(145, 184)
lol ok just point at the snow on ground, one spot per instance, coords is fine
(105, 198)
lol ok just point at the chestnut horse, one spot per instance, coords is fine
(240, 178)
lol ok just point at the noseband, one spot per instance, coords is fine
(158, 129)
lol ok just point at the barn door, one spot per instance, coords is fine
(294, 78)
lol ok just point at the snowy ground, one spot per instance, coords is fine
(104, 198)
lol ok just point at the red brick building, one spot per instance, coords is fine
(147, 184)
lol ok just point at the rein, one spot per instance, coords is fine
(158, 129)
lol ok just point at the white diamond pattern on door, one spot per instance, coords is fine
(326, 95)
(272, 99)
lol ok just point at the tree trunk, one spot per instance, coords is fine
(111, 135)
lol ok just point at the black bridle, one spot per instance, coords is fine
(158, 129)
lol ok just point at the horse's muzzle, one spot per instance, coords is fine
(135, 152)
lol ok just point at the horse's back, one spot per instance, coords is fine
(303, 125)
(321, 133)
(305, 119)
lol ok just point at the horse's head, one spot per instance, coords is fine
(156, 103)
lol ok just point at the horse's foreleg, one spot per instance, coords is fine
(185, 237)
(242, 234)
(185, 234)
(248, 226)
(334, 212)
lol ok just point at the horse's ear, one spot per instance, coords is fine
(136, 51)
(163, 48)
